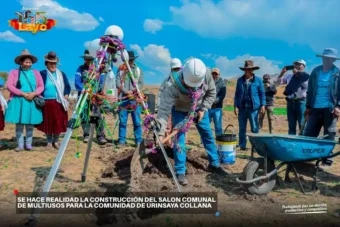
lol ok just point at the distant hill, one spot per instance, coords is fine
(4, 75)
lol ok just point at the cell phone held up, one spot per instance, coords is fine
(289, 67)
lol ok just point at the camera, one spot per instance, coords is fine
(289, 67)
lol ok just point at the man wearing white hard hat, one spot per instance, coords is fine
(323, 98)
(192, 91)
(175, 66)
(296, 93)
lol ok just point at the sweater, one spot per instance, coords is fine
(221, 91)
(172, 96)
(13, 79)
(270, 92)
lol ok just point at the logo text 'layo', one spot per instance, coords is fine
(31, 20)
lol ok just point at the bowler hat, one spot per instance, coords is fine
(51, 57)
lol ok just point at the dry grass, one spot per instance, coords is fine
(25, 171)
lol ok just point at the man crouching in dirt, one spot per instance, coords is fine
(194, 91)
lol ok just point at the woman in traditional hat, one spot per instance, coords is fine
(57, 90)
(24, 84)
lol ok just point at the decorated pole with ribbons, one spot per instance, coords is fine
(110, 45)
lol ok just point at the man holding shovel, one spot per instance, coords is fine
(193, 93)
(323, 98)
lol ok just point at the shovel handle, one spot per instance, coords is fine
(303, 125)
(166, 139)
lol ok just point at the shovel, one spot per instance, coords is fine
(303, 125)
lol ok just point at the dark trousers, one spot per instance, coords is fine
(270, 115)
(295, 114)
(319, 118)
(85, 123)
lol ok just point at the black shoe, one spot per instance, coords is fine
(101, 140)
(182, 179)
(217, 170)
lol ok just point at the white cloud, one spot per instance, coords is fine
(153, 26)
(66, 18)
(150, 73)
(10, 37)
(154, 57)
(230, 68)
(101, 19)
(303, 21)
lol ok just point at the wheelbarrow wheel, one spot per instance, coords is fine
(254, 169)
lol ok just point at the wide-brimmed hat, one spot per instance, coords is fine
(25, 53)
(249, 65)
(329, 53)
(87, 55)
(132, 55)
(51, 57)
(215, 70)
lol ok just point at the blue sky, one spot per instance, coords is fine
(222, 33)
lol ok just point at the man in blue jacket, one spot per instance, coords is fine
(216, 112)
(79, 80)
(323, 98)
(249, 99)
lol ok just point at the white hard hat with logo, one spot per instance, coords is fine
(116, 31)
(194, 72)
(175, 63)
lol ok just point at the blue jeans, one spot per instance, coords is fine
(216, 114)
(207, 137)
(243, 116)
(123, 118)
(295, 113)
(19, 132)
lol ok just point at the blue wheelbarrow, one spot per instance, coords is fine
(260, 174)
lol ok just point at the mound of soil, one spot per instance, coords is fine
(155, 176)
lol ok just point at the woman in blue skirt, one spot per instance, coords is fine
(24, 84)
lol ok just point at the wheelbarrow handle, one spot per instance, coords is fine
(228, 127)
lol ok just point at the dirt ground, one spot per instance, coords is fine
(109, 169)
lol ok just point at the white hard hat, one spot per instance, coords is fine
(115, 30)
(175, 63)
(300, 61)
(194, 72)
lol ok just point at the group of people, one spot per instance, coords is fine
(313, 101)
(37, 99)
(29, 88)
(189, 90)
